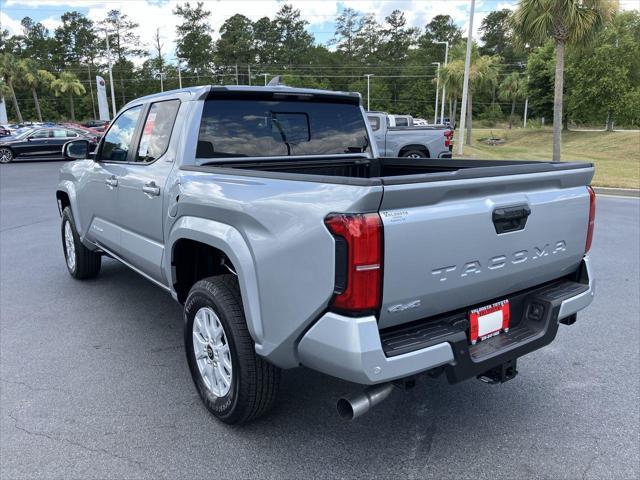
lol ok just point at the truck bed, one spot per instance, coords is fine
(377, 171)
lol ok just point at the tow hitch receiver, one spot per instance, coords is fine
(500, 374)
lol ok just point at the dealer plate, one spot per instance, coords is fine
(488, 321)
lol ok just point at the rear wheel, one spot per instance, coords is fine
(234, 383)
(81, 262)
(6, 155)
(414, 154)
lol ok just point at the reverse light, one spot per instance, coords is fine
(358, 261)
(592, 218)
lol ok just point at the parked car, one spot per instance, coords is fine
(97, 125)
(434, 141)
(268, 213)
(43, 143)
(4, 131)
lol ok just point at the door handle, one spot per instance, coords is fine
(112, 182)
(151, 189)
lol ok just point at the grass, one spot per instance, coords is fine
(616, 155)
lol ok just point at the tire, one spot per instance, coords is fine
(6, 155)
(414, 154)
(249, 390)
(81, 262)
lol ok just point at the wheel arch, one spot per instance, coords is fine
(414, 146)
(199, 248)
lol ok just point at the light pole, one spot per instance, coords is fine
(265, 77)
(369, 75)
(113, 95)
(444, 86)
(179, 72)
(161, 75)
(435, 111)
(465, 84)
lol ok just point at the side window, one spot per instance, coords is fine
(71, 134)
(40, 134)
(57, 133)
(157, 130)
(119, 137)
(375, 123)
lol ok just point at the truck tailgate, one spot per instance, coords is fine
(449, 244)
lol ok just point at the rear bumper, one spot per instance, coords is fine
(355, 350)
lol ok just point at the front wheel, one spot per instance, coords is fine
(6, 155)
(81, 262)
(234, 383)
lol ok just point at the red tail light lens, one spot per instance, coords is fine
(592, 218)
(448, 137)
(363, 236)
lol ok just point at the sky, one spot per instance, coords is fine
(320, 14)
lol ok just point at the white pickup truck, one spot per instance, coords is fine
(270, 215)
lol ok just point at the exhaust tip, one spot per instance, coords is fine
(345, 410)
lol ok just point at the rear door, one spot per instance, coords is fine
(446, 246)
(142, 190)
(59, 136)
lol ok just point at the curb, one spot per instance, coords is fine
(619, 192)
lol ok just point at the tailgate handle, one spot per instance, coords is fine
(510, 219)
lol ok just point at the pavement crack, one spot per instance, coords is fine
(32, 388)
(16, 227)
(103, 451)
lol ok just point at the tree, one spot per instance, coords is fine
(236, 43)
(68, 83)
(294, 42)
(9, 72)
(194, 42)
(124, 43)
(497, 35)
(348, 25)
(368, 38)
(512, 89)
(603, 74)
(32, 77)
(567, 22)
(158, 61)
(265, 39)
(441, 28)
(77, 39)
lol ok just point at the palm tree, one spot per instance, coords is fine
(512, 88)
(9, 72)
(483, 74)
(568, 22)
(68, 83)
(32, 77)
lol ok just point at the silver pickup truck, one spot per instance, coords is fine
(269, 214)
(392, 140)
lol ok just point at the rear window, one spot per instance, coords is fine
(375, 123)
(261, 128)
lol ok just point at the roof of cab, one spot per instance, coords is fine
(200, 92)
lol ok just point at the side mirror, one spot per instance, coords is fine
(76, 150)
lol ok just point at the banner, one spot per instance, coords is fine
(3, 112)
(103, 105)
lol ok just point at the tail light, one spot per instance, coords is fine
(358, 261)
(448, 137)
(592, 218)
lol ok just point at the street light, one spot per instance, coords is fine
(435, 112)
(369, 75)
(179, 71)
(113, 95)
(444, 86)
(161, 75)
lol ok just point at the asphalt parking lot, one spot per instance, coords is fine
(94, 383)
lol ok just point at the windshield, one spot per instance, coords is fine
(261, 128)
(23, 132)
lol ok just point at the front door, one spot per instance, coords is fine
(35, 145)
(98, 189)
(142, 194)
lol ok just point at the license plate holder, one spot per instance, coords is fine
(488, 321)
